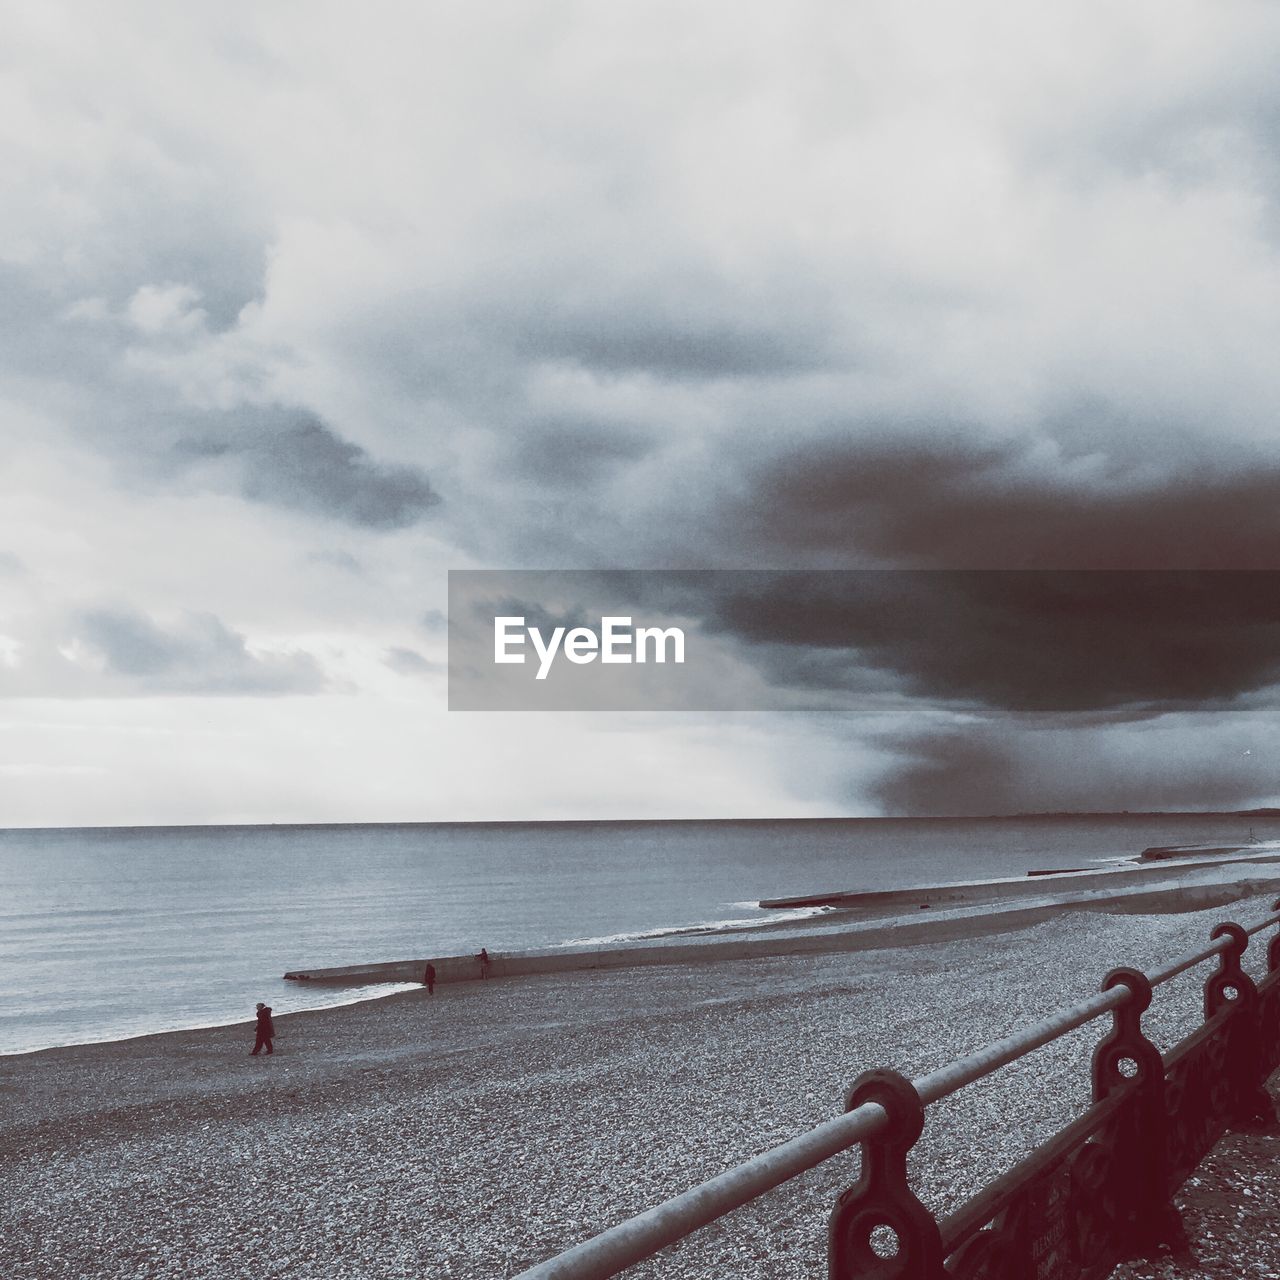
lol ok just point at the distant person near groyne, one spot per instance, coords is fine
(429, 979)
(485, 963)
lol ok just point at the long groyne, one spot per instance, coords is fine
(1013, 888)
(838, 930)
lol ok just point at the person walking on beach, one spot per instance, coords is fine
(485, 962)
(429, 978)
(266, 1030)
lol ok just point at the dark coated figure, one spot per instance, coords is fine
(429, 979)
(266, 1030)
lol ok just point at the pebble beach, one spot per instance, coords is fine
(480, 1130)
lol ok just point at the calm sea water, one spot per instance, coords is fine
(106, 933)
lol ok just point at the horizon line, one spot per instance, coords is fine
(1265, 811)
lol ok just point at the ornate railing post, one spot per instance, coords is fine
(881, 1198)
(1148, 1219)
(1228, 984)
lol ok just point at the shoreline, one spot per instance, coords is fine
(1182, 889)
(242, 1020)
(1047, 815)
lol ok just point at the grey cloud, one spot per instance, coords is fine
(163, 208)
(683, 317)
(197, 655)
(273, 454)
(409, 662)
(11, 565)
(679, 347)
(298, 461)
(1179, 130)
(338, 559)
(41, 340)
(567, 452)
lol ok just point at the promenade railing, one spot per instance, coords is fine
(1097, 1192)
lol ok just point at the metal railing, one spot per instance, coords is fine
(1095, 1193)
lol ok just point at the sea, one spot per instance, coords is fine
(108, 933)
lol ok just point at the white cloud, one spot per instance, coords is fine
(169, 309)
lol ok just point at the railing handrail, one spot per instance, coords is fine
(1188, 961)
(1262, 924)
(947, 1080)
(642, 1235)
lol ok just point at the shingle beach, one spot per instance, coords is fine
(480, 1130)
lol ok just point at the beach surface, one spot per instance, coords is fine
(477, 1131)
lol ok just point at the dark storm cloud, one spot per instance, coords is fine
(198, 655)
(957, 503)
(985, 772)
(298, 461)
(1021, 641)
(946, 774)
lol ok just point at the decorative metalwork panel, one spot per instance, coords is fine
(1269, 1021)
(1194, 1094)
(1060, 1222)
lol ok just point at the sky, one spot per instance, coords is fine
(302, 307)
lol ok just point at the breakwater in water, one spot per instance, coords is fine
(842, 930)
(1009, 888)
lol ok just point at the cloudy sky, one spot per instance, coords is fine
(303, 307)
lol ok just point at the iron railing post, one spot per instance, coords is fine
(881, 1201)
(1149, 1219)
(1250, 1104)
